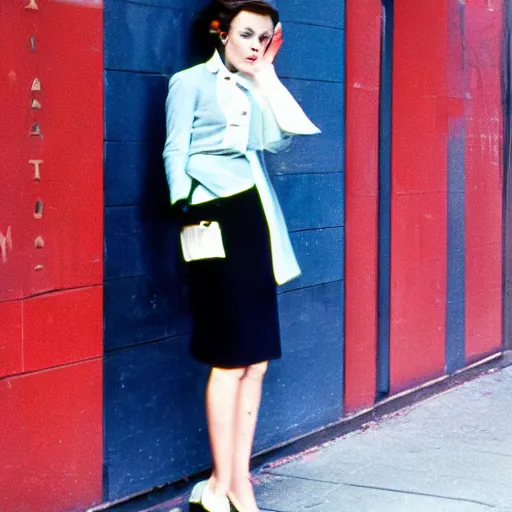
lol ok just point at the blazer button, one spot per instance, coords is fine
(227, 78)
(244, 113)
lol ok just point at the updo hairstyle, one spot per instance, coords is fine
(224, 11)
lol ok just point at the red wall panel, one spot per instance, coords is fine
(10, 335)
(362, 136)
(70, 121)
(62, 327)
(419, 193)
(51, 439)
(14, 127)
(484, 178)
(418, 288)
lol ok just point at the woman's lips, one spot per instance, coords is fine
(252, 59)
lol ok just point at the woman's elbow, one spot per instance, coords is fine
(279, 145)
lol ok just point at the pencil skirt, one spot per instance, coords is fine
(234, 299)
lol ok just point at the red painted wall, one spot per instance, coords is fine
(51, 264)
(419, 193)
(447, 62)
(363, 31)
(425, 97)
(51, 439)
(484, 178)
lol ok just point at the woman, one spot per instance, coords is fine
(220, 116)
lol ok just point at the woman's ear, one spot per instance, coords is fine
(224, 38)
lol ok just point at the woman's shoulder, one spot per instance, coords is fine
(190, 76)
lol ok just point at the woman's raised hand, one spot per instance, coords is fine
(275, 45)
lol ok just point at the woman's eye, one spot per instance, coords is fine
(245, 36)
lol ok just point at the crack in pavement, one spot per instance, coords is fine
(414, 493)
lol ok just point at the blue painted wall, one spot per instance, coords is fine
(154, 420)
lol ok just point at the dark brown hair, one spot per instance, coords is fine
(227, 10)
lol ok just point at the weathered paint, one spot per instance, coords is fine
(68, 180)
(484, 178)
(51, 234)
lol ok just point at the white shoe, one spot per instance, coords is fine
(202, 499)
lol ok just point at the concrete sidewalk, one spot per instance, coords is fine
(449, 453)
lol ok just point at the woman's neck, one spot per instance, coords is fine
(229, 67)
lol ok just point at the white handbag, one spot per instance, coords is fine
(202, 241)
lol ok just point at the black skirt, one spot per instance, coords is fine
(233, 299)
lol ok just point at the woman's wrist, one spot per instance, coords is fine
(266, 80)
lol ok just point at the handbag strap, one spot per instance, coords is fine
(193, 187)
(185, 206)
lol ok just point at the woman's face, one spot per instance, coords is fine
(248, 38)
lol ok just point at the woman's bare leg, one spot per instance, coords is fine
(222, 394)
(246, 417)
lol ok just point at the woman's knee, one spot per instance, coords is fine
(256, 371)
(223, 374)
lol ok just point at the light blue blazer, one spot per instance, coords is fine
(217, 136)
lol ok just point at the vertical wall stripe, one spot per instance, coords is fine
(484, 179)
(455, 305)
(386, 95)
(455, 293)
(507, 231)
(362, 135)
(419, 194)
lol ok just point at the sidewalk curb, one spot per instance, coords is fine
(295, 447)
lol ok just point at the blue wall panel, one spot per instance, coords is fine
(145, 309)
(134, 174)
(139, 241)
(154, 392)
(320, 256)
(134, 106)
(312, 60)
(324, 103)
(154, 416)
(303, 391)
(311, 201)
(143, 38)
(328, 13)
